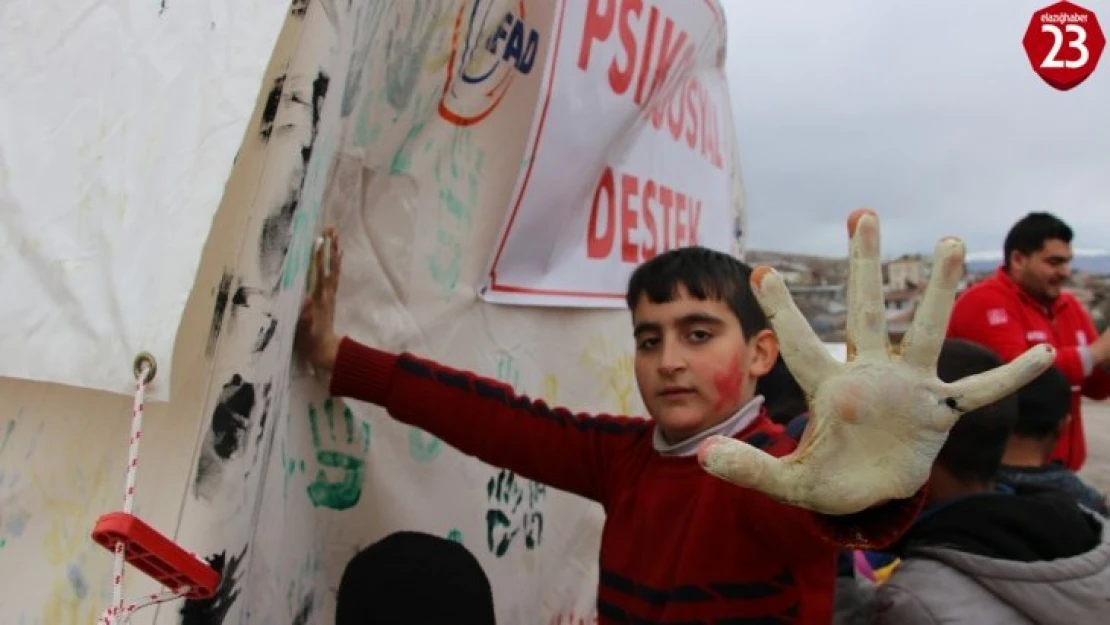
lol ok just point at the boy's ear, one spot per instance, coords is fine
(763, 352)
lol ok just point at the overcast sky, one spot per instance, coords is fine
(928, 112)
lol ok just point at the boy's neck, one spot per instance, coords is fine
(730, 427)
(944, 487)
(1026, 452)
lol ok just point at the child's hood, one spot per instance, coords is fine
(1040, 553)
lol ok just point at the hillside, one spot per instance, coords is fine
(1096, 262)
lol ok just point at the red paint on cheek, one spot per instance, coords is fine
(729, 384)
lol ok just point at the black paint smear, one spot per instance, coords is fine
(267, 399)
(231, 417)
(302, 615)
(319, 92)
(277, 232)
(242, 297)
(265, 335)
(269, 113)
(225, 435)
(218, 313)
(213, 611)
(277, 228)
(162, 8)
(300, 7)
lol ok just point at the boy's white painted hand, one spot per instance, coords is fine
(877, 422)
(316, 340)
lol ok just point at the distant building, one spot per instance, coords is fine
(1085, 295)
(907, 272)
(794, 273)
(819, 299)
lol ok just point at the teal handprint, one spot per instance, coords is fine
(508, 372)
(349, 463)
(457, 174)
(423, 447)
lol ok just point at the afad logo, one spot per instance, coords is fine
(1064, 43)
(488, 49)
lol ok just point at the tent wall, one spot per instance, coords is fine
(252, 465)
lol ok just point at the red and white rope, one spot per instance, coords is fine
(120, 613)
(122, 616)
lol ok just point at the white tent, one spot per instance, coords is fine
(164, 169)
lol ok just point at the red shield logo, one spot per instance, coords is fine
(1064, 43)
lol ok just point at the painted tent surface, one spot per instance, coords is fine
(409, 125)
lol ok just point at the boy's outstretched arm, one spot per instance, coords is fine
(879, 421)
(478, 416)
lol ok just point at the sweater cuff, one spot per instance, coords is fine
(362, 372)
(874, 528)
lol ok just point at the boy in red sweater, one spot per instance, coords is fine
(699, 522)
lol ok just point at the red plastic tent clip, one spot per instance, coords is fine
(157, 556)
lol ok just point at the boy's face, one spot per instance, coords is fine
(693, 366)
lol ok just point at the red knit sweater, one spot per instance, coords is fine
(679, 545)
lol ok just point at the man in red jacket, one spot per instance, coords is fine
(1024, 304)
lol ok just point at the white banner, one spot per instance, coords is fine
(629, 155)
(119, 124)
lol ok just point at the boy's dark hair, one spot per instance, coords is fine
(440, 577)
(973, 451)
(1030, 233)
(706, 274)
(1042, 405)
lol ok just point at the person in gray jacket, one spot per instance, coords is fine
(986, 554)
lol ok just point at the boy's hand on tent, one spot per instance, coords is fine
(316, 339)
(879, 421)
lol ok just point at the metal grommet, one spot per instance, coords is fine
(145, 358)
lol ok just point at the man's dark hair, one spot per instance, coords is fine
(1031, 232)
(707, 275)
(973, 451)
(1042, 405)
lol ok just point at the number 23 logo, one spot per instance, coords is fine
(1052, 60)
(1064, 42)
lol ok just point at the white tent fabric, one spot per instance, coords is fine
(119, 124)
(249, 463)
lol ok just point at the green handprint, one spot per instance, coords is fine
(345, 492)
(514, 508)
(408, 39)
(289, 466)
(367, 23)
(405, 55)
(508, 372)
(402, 160)
(423, 447)
(457, 173)
(514, 501)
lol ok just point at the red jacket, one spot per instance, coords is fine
(679, 545)
(998, 314)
